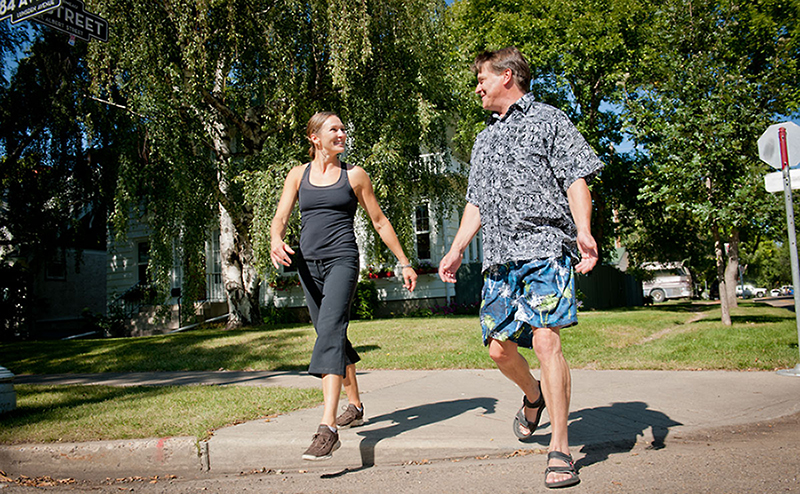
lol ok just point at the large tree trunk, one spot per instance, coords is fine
(719, 251)
(241, 280)
(732, 269)
(242, 283)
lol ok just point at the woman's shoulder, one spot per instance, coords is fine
(295, 175)
(355, 171)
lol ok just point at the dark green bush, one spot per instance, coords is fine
(365, 301)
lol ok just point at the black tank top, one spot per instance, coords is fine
(326, 218)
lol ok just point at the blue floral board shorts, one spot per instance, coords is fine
(522, 295)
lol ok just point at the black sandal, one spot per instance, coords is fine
(520, 420)
(570, 469)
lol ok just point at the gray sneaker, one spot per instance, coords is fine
(324, 443)
(352, 417)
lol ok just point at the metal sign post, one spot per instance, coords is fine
(767, 147)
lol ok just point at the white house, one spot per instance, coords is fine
(434, 232)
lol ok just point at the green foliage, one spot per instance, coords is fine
(224, 90)
(279, 316)
(365, 300)
(770, 264)
(581, 52)
(708, 97)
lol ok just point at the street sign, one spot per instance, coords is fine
(773, 182)
(780, 147)
(72, 18)
(20, 10)
(769, 148)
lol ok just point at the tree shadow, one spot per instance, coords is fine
(408, 419)
(612, 429)
(367, 348)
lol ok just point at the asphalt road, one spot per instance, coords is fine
(761, 458)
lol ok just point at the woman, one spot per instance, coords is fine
(329, 192)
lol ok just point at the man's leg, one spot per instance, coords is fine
(556, 386)
(514, 366)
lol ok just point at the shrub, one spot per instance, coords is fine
(365, 300)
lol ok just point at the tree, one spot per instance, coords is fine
(10, 39)
(59, 154)
(580, 52)
(224, 89)
(721, 78)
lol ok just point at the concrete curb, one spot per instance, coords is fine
(123, 458)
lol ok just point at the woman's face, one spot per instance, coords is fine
(331, 136)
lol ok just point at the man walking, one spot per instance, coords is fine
(528, 191)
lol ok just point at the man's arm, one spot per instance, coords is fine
(470, 224)
(580, 205)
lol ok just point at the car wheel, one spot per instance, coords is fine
(658, 295)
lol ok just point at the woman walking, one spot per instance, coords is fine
(329, 192)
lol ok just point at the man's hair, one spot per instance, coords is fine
(506, 58)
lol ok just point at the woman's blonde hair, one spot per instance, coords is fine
(314, 124)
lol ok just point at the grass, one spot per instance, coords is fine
(679, 336)
(89, 413)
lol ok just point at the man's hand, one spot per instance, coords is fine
(588, 248)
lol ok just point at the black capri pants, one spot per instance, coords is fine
(329, 286)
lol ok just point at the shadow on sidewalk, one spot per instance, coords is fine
(612, 429)
(408, 419)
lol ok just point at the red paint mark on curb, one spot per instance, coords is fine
(160, 450)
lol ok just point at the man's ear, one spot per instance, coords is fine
(508, 77)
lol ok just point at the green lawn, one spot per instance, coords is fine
(679, 336)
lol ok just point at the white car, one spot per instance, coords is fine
(775, 292)
(750, 291)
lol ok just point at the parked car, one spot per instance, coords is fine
(787, 289)
(747, 290)
(776, 292)
(670, 280)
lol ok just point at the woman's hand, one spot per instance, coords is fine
(280, 254)
(409, 278)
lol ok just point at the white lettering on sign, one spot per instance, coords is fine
(71, 18)
(20, 10)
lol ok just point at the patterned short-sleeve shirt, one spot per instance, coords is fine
(520, 170)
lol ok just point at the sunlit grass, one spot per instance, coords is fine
(88, 413)
(666, 336)
(677, 336)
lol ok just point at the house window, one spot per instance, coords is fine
(422, 229)
(56, 268)
(142, 260)
(214, 287)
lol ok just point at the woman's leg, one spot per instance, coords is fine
(351, 386)
(331, 387)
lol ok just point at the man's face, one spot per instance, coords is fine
(490, 88)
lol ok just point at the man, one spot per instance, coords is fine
(528, 191)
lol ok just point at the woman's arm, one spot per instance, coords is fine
(362, 186)
(279, 251)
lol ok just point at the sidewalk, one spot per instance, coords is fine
(419, 415)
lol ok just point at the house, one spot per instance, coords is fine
(56, 293)
(435, 227)
(434, 230)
